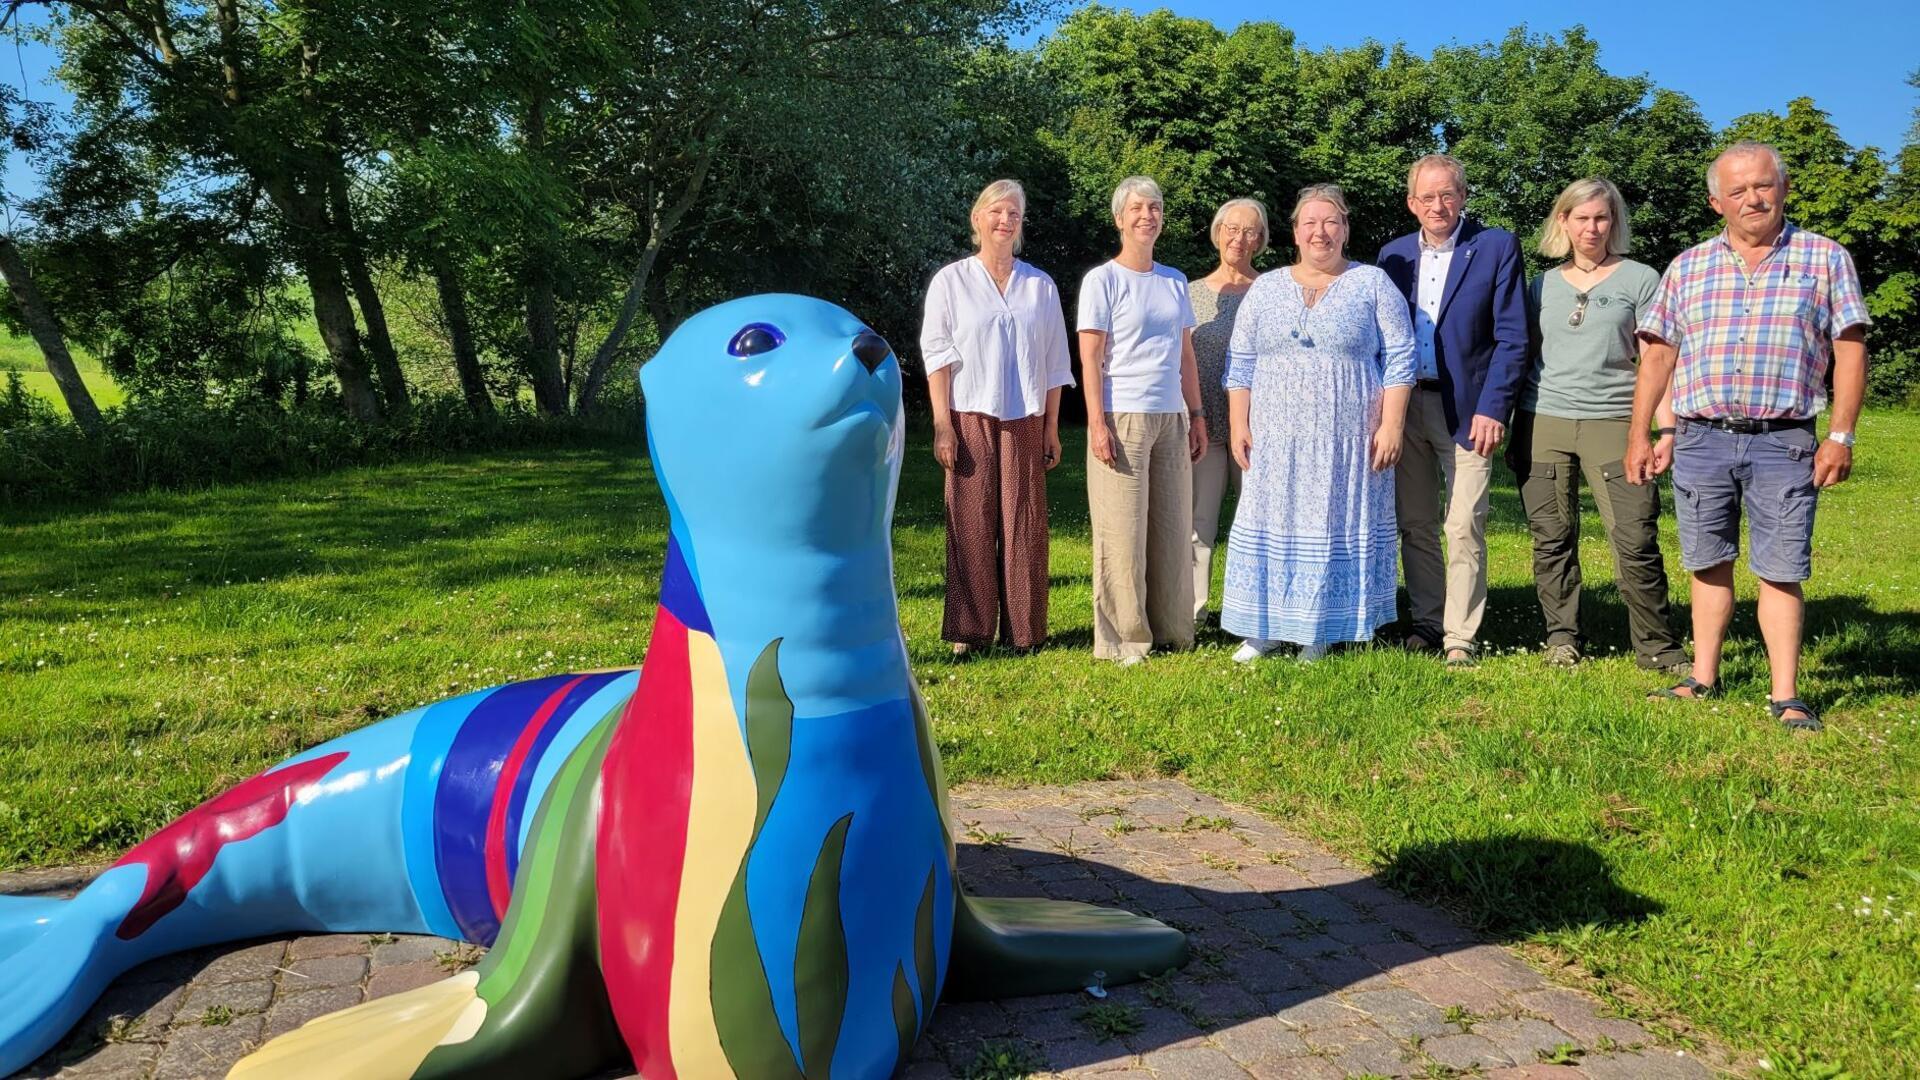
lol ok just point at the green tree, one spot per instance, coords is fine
(750, 131)
(1534, 113)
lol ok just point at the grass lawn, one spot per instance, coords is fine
(1758, 884)
(22, 355)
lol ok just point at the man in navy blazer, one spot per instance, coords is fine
(1466, 289)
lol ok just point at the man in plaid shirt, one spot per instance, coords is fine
(1744, 329)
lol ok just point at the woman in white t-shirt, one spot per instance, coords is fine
(995, 345)
(1145, 429)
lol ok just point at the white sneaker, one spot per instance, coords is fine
(1310, 653)
(1132, 661)
(1253, 649)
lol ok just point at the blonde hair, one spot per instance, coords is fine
(1438, 161)
(1259, 210)
(993, 193)
(1326, 193)
(1554, 241)
(1142, 186)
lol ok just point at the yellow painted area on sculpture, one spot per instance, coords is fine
(387, 1038)
(719, 826)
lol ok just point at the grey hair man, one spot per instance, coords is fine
(1743, 332)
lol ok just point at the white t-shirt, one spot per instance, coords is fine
(1007, 351)
(1145, 317)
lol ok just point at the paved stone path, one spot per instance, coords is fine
(1302, 967)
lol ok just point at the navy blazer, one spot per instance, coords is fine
(1480, 343)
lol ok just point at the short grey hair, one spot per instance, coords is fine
(1259, 210)
(1438, 161)
(1326, 193)
(1142, 186)
(993, 193)
(1554, 241)
(1744, 148)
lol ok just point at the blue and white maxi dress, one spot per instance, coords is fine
(1314, 550)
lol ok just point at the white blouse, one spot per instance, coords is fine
(1007, 351)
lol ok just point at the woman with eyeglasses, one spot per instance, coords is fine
(1319, 373)
(1572, 418)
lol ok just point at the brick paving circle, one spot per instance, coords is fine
(1303, 967)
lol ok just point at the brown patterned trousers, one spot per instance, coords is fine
(997, 532)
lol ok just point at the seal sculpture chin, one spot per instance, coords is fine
(735, 861)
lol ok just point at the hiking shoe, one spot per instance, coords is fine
(1562, 655)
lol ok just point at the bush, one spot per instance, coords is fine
(180, 440)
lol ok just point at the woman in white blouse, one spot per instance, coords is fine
(995, 345)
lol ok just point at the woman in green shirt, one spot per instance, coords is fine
(1572, 419)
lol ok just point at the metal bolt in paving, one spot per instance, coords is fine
(1303, 966)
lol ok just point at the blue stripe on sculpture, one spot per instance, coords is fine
(438, 727)
(523, 783)
(465, 796)
(612, 696)
(679, 593)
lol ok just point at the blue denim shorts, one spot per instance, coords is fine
(1717, 473)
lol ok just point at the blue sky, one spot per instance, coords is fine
(1851, 56)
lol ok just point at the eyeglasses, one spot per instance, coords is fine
(1450, 198)
(1251, 232)
(1579, 314)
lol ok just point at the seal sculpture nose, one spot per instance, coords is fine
(871, 349)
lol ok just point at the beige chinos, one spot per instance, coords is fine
(1142, 513)
(1438, 485)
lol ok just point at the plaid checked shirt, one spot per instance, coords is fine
(1755, 345)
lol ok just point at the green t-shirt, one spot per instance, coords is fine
(1586, 372)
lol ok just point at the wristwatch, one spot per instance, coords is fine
(1844, 438)
(1661, 433)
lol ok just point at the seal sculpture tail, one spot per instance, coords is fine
(70, 949)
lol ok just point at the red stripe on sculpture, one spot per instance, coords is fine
(647, 782)
(499, 882)
(178, 856)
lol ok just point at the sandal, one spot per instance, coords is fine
(1462, 656)
(1809, 722)
(1695, 691)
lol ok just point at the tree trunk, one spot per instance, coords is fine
(333, 310)
(319, 262)
(543, 329)
(629, 307)
(353, 256)
(46, 333)
(662, 223)
(466, 358)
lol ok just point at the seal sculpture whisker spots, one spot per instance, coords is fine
(735, 861)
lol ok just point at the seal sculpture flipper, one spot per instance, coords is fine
(535, 1005)
(1014, 947)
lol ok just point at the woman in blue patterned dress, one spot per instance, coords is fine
(1320, 369)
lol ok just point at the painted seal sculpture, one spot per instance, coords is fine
(735, 861)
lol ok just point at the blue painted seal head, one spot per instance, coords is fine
(776, 416)
(775, 428)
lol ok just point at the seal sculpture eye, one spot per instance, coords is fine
(756, 338)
